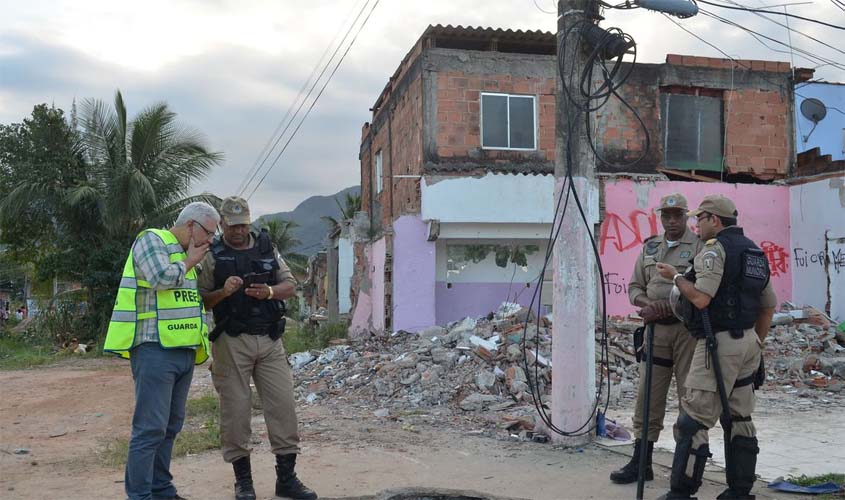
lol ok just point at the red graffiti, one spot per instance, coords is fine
(777, 256)
(626, 235)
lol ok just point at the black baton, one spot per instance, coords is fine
(647, 356)
(712, 348)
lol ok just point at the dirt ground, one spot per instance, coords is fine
(65, 414)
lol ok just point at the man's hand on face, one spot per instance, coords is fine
(667, 271)
(232, 285)
(196, 252)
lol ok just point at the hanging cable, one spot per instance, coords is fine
(250, 175)
(740, 63)
(773, 12)
(319, 94)
(815, 59)
(587, 100)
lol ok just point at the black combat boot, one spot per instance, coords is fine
(628, 473)
(243, 479)
(287, 484)
(741, 468)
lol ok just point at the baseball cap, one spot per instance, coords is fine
(716, 204)
(673, 200)
(234, 211)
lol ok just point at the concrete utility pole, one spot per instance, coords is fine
(575, 276)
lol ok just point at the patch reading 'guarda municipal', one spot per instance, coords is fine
(755, 264)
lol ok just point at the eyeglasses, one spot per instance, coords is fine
(207, 232)
(703, 216)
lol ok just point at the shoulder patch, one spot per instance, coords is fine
(651, 247)
(650, 238)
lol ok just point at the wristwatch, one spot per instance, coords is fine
(675, 278)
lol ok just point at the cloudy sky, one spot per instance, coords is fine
(232, 68)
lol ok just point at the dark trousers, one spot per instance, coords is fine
(162, 379)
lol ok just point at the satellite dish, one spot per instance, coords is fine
(813, 110)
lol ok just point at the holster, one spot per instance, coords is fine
(639, 339)
(760, 375)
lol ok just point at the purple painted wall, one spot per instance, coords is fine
(414, 271)
(477, 299)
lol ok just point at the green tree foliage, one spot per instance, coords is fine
(281, 234)
(352, 204)
(74, 200)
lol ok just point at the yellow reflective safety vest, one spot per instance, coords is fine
(179, 312)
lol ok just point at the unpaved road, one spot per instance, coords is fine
(85, 404)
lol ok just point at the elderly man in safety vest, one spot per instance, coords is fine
(158, 324)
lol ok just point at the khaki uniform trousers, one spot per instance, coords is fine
(738, 358)
(236, 359)
(671, 343)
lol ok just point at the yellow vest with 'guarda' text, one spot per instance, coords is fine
(178, 312)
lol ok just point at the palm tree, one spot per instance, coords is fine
(347, 211)
(140, 170)
(281, 234)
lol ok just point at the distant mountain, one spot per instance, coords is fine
(312, 230)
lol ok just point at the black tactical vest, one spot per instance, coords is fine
(241, 312)
(737, 302)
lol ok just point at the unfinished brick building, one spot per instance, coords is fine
(457, 162)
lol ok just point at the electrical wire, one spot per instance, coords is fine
(250, 175)
(740, 63)
(580, 104)
(544, 11)
(773, 12)
(789, 28)
(803, 53)
(319, 94)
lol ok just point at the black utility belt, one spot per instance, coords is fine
(670, 320)
(735, 333)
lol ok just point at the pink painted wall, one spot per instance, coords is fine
(377, 280)
(630, 219)
(369, 309)
(414, 260)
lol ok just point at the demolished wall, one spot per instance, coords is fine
(817, 221)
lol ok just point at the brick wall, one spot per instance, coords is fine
(459, 114)
(622, 139)
(736, 64)
(757, 132)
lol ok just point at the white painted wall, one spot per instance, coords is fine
(493, 198)
(345, 267)
(817, 214)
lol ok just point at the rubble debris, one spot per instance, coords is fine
(474, 369)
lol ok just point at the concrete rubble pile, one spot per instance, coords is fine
(473, 369)
(804, 355)
(472, 364)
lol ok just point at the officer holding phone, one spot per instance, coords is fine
(245, 281)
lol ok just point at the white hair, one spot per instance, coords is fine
(196, 211)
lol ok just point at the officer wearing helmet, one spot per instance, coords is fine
(729, 309)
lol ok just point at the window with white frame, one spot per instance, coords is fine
(379, 172)
(508, 121)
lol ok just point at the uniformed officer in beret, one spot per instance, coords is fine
(673, 346)
(731, 283)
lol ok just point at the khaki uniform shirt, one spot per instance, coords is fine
(205, 270)
(646, 280)
(709, 267)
